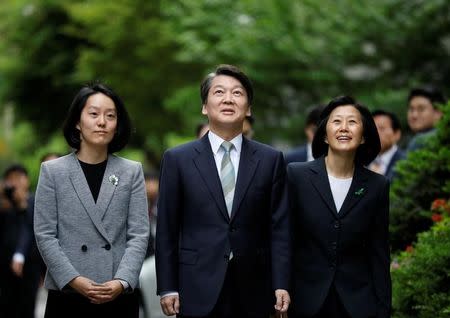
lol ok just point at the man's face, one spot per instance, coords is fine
(17, 180)
(388, 137)
(421, 114)
(310, 130)
(227, 103)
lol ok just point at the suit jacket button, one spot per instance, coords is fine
(337, 225)
(107, 247)
(84, 248)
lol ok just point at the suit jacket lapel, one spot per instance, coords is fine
(107, 188)
(206, 166)
(247, 167)
(357, 190)
(83, 191)
(321, 183)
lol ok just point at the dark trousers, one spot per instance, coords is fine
(331, 308)
(229, 304)
(68, 305)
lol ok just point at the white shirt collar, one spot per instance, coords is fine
(217, 141)
(387, 155)
(309, 155)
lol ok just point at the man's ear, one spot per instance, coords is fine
(363, 141)
(204, 110)
(249, 111)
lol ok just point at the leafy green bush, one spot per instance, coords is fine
(422, 177)
(421, 278)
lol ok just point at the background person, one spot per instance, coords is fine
(423, 114)
(19, 258)
(390, 132)
(304, 152)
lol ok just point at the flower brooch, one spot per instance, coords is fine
(114, 179)
(360, 192)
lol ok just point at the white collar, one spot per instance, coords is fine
(386, 157)
(217, 141)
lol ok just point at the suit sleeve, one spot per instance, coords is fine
(281, 246)
(168, 225)
(46, 230)
(380, 257)
(138, 230)
(26, 235)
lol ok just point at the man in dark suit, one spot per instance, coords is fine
(389, 130)
(304, 153)
(222, 241)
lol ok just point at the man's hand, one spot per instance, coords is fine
(170, 305)
(17, 268)
(282, 302)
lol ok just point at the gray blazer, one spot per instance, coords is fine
(76, 236)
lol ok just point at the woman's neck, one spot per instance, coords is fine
(92, 155)
(340, 165)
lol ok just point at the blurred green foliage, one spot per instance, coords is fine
(421, 283)
(155, 53)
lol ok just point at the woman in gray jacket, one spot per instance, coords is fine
(91, 220)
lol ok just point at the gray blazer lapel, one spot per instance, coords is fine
(247, 167)
(322, 185)
(81, 187)
(107, 188)
(206, 166)
(357, 190)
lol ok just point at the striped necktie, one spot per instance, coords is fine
(227, 175)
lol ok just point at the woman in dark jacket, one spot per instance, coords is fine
(340, 216)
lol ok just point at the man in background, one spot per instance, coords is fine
(304, 152)
(423, 114)
(390, 132)
(20, 263)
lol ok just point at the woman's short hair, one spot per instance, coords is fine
(123, 130)
(229, 70)
(367, 151)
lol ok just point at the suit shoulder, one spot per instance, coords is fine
(125, 161)
(264, 147)
(375, 177)
(183, 148)
(58, 163)
(301, 166)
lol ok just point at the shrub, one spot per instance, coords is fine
(421, 278)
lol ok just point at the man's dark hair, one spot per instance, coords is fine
(229, 70)
(17, 167)
(395, 122)
(313, 116)
(367, 151)
(435, 96)
(123, 130)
